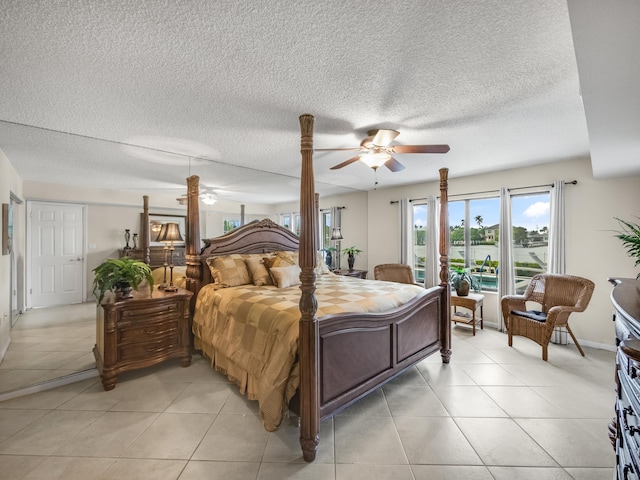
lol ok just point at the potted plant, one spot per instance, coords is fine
(120, 275)
(630, 236)
(351, 253)
(461, 280)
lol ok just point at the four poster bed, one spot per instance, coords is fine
(314, 342)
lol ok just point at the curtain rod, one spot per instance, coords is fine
(327, 209)
(571, 182)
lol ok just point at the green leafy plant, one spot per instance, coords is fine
(351, 251)
(630, 236)
(457, 275)
(115, 273)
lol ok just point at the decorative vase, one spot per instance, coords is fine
(328, 259)
(127, 237)
(352, 260)
(135, 241)
(463, 288)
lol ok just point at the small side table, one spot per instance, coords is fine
(471, 302)
(352, 273)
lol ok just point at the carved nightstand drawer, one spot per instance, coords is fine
(143, 351)
(142, 333)
(153, 309)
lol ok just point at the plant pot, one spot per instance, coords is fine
(124, 290)
(351, 259)
(463, 288)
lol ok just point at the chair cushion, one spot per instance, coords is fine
(536, 315)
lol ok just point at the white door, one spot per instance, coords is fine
(57, 253)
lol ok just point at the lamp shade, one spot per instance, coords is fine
(336, 234)
(170, 232)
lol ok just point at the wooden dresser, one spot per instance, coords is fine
(624, 429)
(156, 255)
(141, 331)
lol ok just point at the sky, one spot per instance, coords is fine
(528, 211)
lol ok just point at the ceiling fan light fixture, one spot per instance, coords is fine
(374, 159)
(209, 198)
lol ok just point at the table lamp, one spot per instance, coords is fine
(169, 233)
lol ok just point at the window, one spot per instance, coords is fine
(230, 224)
(420, 212)
(290, 221)
(325, 229)
(530, 217)
(474, 237)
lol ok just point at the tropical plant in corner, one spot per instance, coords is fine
(630, 237)
(118, 274)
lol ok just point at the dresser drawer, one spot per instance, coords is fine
(141, 333)
(152, 310)
(159, 346)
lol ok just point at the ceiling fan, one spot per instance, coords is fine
(377, 151)
(207, 197)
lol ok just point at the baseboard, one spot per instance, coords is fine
(49, 384)
(584, 343)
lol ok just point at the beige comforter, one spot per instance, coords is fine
(251, 333)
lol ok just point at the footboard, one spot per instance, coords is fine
(360, 352)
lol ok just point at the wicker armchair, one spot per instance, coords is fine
(558, 296)
(394, 272)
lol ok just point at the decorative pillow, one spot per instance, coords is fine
(259, 273)
(229, 271)
(286, 276)
(280, 259)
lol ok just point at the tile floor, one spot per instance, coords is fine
(48, 343)
(493, 413)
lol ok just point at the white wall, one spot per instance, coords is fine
(592, 250)
(110, 212)
(10, 182)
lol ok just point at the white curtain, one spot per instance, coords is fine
(431, 265)
(406, 231)
(506, 275)
(557, 262)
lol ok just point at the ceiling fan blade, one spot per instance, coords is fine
(346, 162)
(393, 165)
(383, 137)
(334, 149)
(419, 149)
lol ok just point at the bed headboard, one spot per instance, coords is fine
(259, 236)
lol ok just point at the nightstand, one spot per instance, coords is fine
(352, 273)
(471, 302)
(141, 331)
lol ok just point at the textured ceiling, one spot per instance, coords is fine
(227, 80)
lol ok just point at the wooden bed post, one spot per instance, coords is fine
(192, 242)
(308, 345)
(144, 230)
(445, 327)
